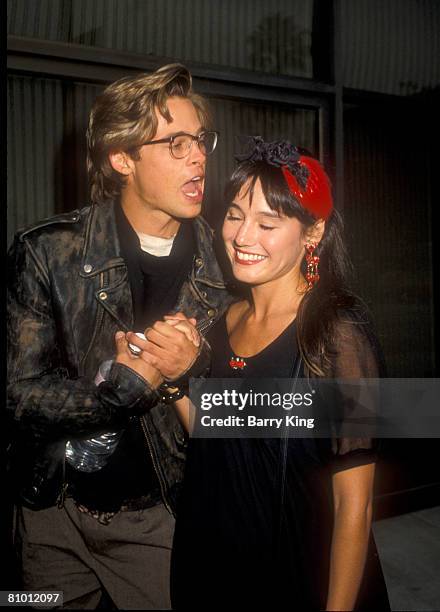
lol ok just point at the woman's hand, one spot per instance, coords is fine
(185, 325)
(171, 346)
(124, 356)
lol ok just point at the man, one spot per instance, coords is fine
(139, 252)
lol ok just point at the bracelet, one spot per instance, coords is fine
(169, 393)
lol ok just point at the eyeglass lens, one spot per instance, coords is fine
(182, 144)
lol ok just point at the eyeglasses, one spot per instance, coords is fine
(180, 144)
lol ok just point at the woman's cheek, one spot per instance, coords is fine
(228, 232)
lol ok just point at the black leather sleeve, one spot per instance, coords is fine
(41, 398)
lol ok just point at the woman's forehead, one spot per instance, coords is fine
(251, 198)
(251, 195)
(256, 209)
(252, 186)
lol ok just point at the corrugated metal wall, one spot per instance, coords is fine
(46, 147)
(273, 37)
(35, 131)
(391, 46)
(387, 212)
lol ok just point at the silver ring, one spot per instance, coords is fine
(135, 350)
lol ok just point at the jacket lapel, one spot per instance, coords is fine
(115, 298)
(102, 258)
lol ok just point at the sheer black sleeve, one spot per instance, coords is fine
(355, 354)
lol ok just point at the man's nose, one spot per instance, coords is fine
(195, 155)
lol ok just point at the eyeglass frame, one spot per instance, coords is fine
(170, 140)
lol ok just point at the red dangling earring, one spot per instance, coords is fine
(312, 274)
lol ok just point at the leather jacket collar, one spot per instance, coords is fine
(102, 250)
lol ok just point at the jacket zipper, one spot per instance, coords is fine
(62, 495)
(156, 467)
(204, 326)
(97, 326)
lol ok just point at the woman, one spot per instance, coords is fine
(245, 535)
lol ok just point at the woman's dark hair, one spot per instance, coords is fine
(322, 305)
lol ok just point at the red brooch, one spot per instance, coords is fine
(237, 363)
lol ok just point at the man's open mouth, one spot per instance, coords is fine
(193, 189)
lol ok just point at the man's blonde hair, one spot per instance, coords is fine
(123, 117)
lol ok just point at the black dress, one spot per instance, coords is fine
(234, 542)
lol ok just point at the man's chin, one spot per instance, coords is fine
(190, 210)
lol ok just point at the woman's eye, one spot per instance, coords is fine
(232, 218)
(266, 227)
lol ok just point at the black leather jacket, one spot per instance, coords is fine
(68, 295)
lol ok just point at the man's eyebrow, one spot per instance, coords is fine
(174, 134)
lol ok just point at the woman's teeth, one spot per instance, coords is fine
(249, 256)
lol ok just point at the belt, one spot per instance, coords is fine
(129, 505)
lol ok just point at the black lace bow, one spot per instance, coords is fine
(279, 153)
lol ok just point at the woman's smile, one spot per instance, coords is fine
(246, 258)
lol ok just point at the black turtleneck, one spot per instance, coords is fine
(155, 282)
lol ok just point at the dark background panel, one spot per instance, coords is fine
(387, 210)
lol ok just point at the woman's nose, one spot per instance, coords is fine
(244, 235)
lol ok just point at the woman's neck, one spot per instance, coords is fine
(277, 298)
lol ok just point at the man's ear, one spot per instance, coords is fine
(121, 162)
(315, 232)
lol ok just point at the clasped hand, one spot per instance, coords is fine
(170, 348)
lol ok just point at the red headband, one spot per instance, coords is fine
(316, 197)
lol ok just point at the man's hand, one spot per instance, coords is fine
(141, 366)
(171, 346)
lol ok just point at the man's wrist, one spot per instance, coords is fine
(170, 393)
(128, 390)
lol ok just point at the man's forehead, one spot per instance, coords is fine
(184, 118)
